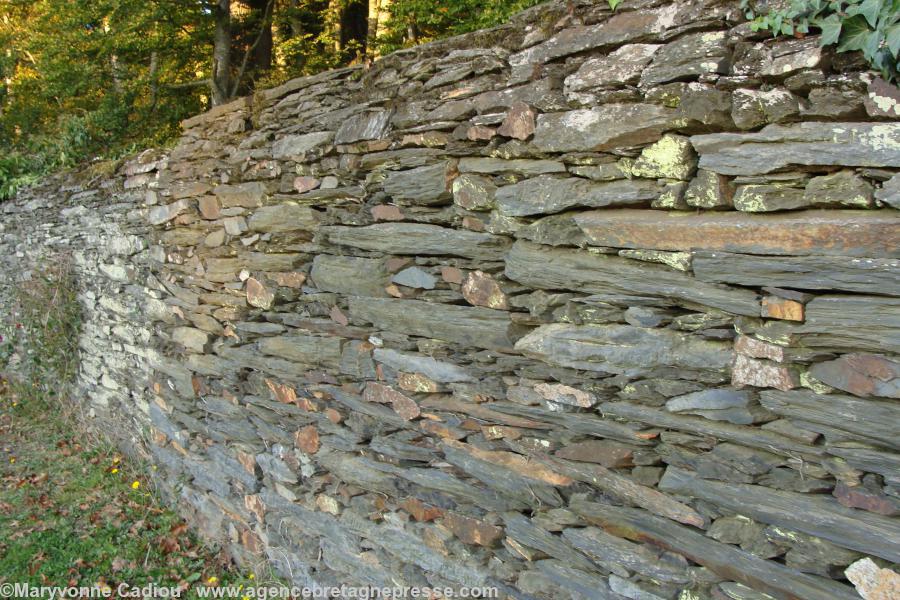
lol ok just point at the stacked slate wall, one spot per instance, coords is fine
(591, 305)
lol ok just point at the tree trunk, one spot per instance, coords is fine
(221, 75)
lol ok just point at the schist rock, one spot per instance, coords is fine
(547, 194)
(623, 349)
(861, 374)
(415, 238)
(350, 275)
(813, 144)
(612, 126)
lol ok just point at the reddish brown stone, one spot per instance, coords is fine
(519, 122)
(209, 207)
(557, 392)
(866, 499)
(305, 184)
(289, 280)
(259, 295)
(480, 289)
(333, 415)
(420, 511)
(515, 462)
(251, 542)
(451, 274)
(403, 405)
(307, 439)
(442, 431)
(472, 531)
(281, 392)
(861, 374)
(872, 234)
(255, 505)
(473, 224)
(774, 307)
(395, 264)
(247, 460)
(762, 373)
(873, 582)
(611, 455)
(755, 348)
(480, 133)
(338, 316)
(387, 212)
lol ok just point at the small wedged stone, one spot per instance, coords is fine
(474, 192)
(295, 146)
(283, 218)
(519, 122)
(672, 157)
(480, 289)
(755, 108)
(843, 188)
(423, 185)
(247, 195)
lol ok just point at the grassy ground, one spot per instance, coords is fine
(75, 513)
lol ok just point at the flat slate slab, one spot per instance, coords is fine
(830, 232)
(811, 143)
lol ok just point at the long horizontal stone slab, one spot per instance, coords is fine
(546, 194)
(852, 322)
(469, 326)
(872, 234)
(723, 559)
(623, 349)
(350, 275)
(604, 128)
(418, 239)
(803, 272)
(814, 515)
(810, 143)
(871, 420)
(561, 268)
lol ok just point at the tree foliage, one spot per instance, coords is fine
(97, 78)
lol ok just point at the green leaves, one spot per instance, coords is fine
(868, 26)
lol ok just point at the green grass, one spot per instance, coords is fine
(76, 513)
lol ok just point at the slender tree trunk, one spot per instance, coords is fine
(221, 75)
(378, 15)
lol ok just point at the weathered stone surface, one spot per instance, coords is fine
(613, 126)
(843, 188)
(755, 108)
(872, 582)
(350, 275)
(774, 307)
(247, 195)
(868, 323)
(369, 125)
(861, 374)
(480, 289)
(402, 404)
(440, 371)
(709, 400)
(259, 295)
(295, 146)
(551, 268)
(472, 326)
(209, 207)
(415, 277)
(472, 531)
(847, 233)
(811, 514)
(760, 373)
(800, 272)
(192, 339)
(424, 185)
(770, 197)
(519, 122)
(416, 239)
(305, 349)
(611, 455)
(473, 192)
(689, 55)
(709, 190)
(621, 66)
(672, 157)
(163, 214)
(778, 146)
(565, 394)
(676, 260)
(235, 225)
(623, 349)
(524, 166)
(882, 99)
(284, 217)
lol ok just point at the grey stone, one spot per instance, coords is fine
(415, 277)
(672, 157)
(521, 165)
(623, 349)
(473, 192)
(612, 126)
(889, 193)
(368, 125)
(690, 55)
(247, 195)
(755, 108)
(440, 371)
(843, 188)
(416, 239)
(305, 349)
(295, 146)
(812, 144)
(423, 185)
(768, 197)
(546, 194)
(284, 217)
(710, 190)
(163, 214)
(622, 66)
(350, 275)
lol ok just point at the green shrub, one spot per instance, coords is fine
(869, 26)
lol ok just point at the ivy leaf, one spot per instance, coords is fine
(870, 9)
(831, 29)
(892, 37)
(614, 3)
(855, 34)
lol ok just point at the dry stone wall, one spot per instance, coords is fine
(591, 305)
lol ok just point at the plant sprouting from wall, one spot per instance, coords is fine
(869, 26)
